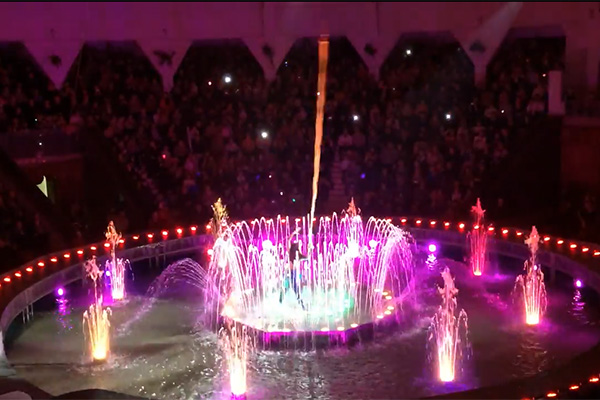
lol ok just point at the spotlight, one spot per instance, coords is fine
(227, 78)
(264, 134)
(355, 118)
(60, 292)
(408, 52)
(432, 247)
(448, 116)
(578, 283)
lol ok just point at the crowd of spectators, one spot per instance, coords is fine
(421, 139)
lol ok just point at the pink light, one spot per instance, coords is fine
(432, 248)
(432, 223)
(505, 231)
(60, 291)
(491, 229)
(461, 226)
(165, 233)
(179, 231)
(446, 224)
(194, 228)
(418, 222)
(403, 220)
(578, 283)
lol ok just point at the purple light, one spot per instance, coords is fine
(107, 272)
(60, 292)
(432, 248)
(578, 283)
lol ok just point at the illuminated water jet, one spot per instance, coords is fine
(236, 343)
(351, 274)
(478, 241)
(448, 332)
(115, 267)
(530, 286)
(96, 323)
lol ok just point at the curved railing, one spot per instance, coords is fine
(24, 285)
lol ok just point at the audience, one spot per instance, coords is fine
(420, 140)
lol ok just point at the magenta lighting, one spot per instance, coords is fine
(60, 292)
(432, 247)
(107, 272)
(578, 283)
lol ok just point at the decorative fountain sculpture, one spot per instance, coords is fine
(448, 333)
(96, 319)
(530, 286)
(478, 241)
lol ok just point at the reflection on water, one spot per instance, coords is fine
(577, 309)
(161, 352)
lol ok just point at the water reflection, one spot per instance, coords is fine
(64, 313)
(577, 309)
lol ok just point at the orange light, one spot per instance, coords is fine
(150, 235)
(560, 241)
(585, 249)
(93, 248)
(446, 224)
(505, 231)
(519, 233)
(461, 225)
(54, 259)
(193, 228)
(573, 387)
(594, 379)
(165, 233)
(136, 237)
(573, 245)
(491, 229)
(29, 269)
(403, 220)
(432, 223)
(418, 222)
(550, 394)
(179, 231)
(67, 255)
(18, 274)
(80, 252)
(7, 279)
(546, 238)
(41, 264)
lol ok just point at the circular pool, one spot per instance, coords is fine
(160, 349)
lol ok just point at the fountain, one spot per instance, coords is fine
(351, 274)
(531, 284)
(115, 267)
(478, 241)
(448, 333)
(95, 320)
(236, 343)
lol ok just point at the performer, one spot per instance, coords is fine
(294, 257)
